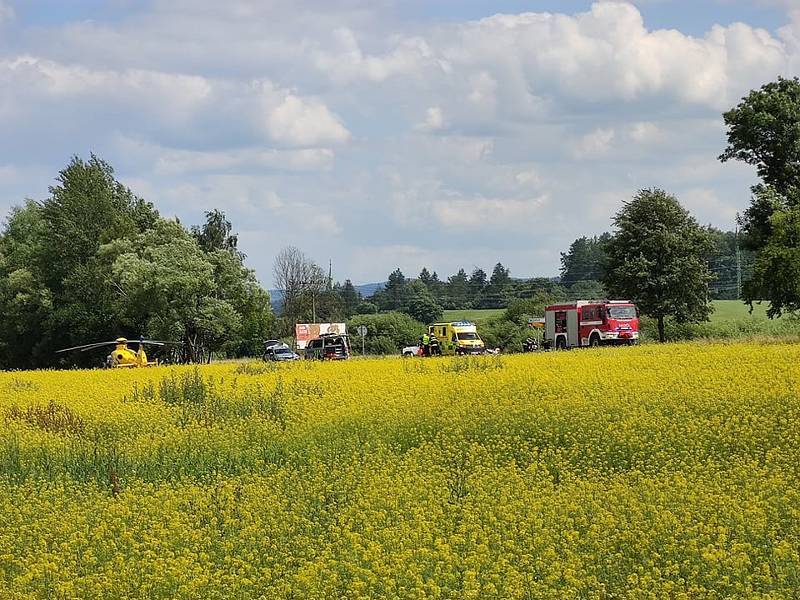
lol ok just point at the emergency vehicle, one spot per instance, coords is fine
(458, 337)
(590, 323)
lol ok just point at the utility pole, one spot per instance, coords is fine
(738, 262)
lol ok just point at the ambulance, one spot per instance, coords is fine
(458, 337)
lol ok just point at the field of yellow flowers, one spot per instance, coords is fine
(649, 472)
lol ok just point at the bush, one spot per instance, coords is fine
(387, 333)
(504, 334)
(729, 329)
(519, 311)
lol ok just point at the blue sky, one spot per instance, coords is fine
(381, 134)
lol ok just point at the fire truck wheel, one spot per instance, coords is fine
(594, 341)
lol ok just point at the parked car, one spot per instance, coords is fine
(328, 347)
(269, 345)
(280, 353)
(409, 351)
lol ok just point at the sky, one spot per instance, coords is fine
(379, 134)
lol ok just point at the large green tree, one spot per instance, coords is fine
(776, 271)
(583, 261)
(94, 261)
(764, 130)
(658, 257)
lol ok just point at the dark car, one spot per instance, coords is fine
(332, 346)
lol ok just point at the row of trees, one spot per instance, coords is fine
(584, 263)
(93, 261)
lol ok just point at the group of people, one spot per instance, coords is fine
(429, 345)
(530, 345)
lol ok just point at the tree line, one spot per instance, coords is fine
(94, 261)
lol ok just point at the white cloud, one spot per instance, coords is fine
(434, 120)
(608, 54)
(304, 122)
(478, 213)
(346, 63)
(595, 144)
(174, 100)
(313, 121)
(645, 133)
(185, 162)
(707, 206)
(528, 177)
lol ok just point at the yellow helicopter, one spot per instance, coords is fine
(123, 357)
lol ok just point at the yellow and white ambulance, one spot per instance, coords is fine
(458, 337)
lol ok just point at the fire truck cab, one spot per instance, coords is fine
(590, 323)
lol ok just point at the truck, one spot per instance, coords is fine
(590, 323)
(328, 346)
(457, 337)
(323, 340)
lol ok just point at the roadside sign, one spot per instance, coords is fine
(362, 331)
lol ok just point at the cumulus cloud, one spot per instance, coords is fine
(345, 62)
(339, 119)
(177, 101)
(609, 54)
(303, 122)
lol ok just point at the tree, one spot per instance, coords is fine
(496, 293)
(350, 297)
(421, 304)
(519, 311)
(425, 276)
(457, 295)
(477, 284)
(395, 293)
(584, 260)
(300, 280)
(93, 262)
(216, 233)
(657, 257)
(587, 290)
(764, 130)
(776, 272)
(167, 288)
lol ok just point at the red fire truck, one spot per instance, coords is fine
(590, 323)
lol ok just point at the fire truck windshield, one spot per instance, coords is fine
(622, 312)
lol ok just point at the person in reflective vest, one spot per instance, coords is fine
(426, 344)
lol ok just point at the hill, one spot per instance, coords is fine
(365, 289)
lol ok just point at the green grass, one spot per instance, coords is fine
(734, 310)
(474, 315)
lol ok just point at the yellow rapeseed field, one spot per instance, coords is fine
(650, 472)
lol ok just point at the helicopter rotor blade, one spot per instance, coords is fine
(85, 347)
(159, 342)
